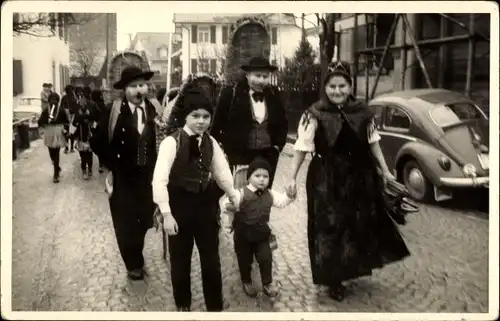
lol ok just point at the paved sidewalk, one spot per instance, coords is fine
(65, 255)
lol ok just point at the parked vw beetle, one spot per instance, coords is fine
(434, 140)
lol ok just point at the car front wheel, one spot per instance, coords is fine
(415, 181)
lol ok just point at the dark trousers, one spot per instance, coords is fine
(271, 155)
(246, 250)
(54, 157)
(197, 222)
(71, 143)
(86, 160)
(131, 211)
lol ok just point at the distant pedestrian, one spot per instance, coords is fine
(182, 190)
(252, 234)
(83, 122)
(53, 119)
(98, 98)
(44, 96)
(70, 105)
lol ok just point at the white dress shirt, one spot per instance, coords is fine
(259, 108)
(307, 130)
(140, 125)
(219, 168)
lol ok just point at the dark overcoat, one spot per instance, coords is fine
(233, 121)
(132, 190)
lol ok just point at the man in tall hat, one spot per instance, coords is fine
(125, 142)
(250, 118)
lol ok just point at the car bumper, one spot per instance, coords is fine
(465, 182)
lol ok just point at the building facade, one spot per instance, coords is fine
(446, 64)
(40, 58)
(205, 38)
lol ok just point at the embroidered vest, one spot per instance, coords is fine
(192, 175)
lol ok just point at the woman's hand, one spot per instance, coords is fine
(170, 224)
(388, 176)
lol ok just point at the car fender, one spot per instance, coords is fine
(427, 157)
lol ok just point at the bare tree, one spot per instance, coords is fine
(86, 58)
(44, 24)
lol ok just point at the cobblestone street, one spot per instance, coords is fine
(65, 255)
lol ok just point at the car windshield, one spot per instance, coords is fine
(454, 113)
(30, 102)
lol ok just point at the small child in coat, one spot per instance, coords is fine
(252, 234)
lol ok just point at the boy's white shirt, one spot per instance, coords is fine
(280, 200)
(219, 168)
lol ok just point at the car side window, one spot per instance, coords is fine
(395, 118)
(379, 112)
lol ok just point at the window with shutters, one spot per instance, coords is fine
(213, 35)
(194, 66)
(203, 65)
(274, 35)
(203, 34)
(17, 69)
(213, 66)
(164, 69)
(222, 65)
(225, 34)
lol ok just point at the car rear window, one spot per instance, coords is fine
(454, 113)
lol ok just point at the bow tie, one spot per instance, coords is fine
(258, 96)
(259, 192)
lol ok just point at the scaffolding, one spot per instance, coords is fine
(472, 37)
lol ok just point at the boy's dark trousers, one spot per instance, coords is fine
(86, 160)
(246, 247)
(197, 222)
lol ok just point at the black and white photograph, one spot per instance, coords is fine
(204, 160)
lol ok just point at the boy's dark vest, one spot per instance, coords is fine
(192, 175)
(253, 216)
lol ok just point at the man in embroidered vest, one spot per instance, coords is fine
(125, 142)
(250, 119)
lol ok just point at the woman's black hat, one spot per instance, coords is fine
(340, 68)
(130, 74)
(259, 63)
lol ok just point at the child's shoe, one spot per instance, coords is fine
(249, 290)
(270, 290)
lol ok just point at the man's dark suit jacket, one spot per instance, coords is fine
(233, 121)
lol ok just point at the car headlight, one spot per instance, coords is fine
(469, 170)
(444, 162)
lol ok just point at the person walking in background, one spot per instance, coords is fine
(53, 119)
(70, 105)
(44, 96)
(250, 118)
(349, 230)
(98, 98)
(83, 132)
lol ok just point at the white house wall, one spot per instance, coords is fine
(37, 55)
(288, 41)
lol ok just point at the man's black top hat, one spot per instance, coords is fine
(130, 74)
(259, 63)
